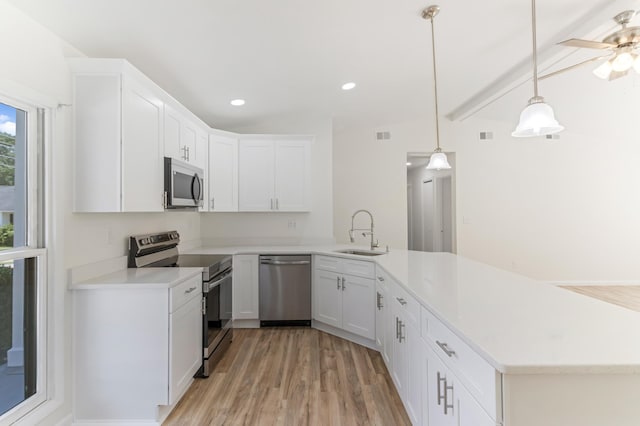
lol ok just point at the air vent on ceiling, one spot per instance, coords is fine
(486, 136)
(556, 136)
(383, 136)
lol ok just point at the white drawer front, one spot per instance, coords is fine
(382, 278)
(185, 291)
(408, 303)
(479, 377)
(358, 268)
(328, 263)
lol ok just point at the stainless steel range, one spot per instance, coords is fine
(161, 250)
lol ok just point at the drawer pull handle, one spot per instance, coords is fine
(401, 337)
(338, 282)
(190, 290)
(380, 278)
(450, 352)
(380, 297)
(401, 300)
(397, 328)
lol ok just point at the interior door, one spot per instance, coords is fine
(427, 215)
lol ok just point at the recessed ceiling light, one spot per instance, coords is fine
(408, 163)
(237, 102)
(348, 86)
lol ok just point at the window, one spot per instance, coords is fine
(22, 259)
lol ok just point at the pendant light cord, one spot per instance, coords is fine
(435, 83)
(535, 49)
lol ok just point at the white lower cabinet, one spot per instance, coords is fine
(135, 349)
(343, 300)
(246, 269)
(383, 344)
(447, 401)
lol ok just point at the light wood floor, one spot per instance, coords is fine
(627, 296)
(293, 376)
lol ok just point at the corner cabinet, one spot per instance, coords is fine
(118, 119)
(274, 173)
(246, 269)
(344, 295)
(223, 173)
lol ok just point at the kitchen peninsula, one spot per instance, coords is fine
(514, 351)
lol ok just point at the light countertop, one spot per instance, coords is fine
(519, 325)
(139, 278)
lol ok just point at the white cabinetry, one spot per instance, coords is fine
(181, 138)
(274, 174)
(406, 359)
(117, 132)
(246, 268)
(383, 318)
(344, 295)
(134, 349)
(223, 173)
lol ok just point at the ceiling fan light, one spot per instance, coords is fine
(636, 64)
(438, 161)
(537, 119)
(622, 62)
(604, 70)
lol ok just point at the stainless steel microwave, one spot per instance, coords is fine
(183, 184)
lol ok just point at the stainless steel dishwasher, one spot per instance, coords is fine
(285, 290)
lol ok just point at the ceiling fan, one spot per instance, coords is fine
(621, 44)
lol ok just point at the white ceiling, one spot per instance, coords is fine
(289, 57)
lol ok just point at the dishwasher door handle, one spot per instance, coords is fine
(284, 262)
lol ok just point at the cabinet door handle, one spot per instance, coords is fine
(447, 406)
(401, 300)
(338, 282)
(190, 290)
(379, 300)
(213, 204)
(450, 352)
(342, 283)
(397, 329)
(401, 337)
(277, 204)
(271, 203)
(381, 279)
(440, 396)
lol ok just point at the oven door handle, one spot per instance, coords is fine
(216, 283)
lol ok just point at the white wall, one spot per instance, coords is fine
(34, 67)
(564, 210)
(315, 226)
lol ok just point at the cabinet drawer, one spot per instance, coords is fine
(359, 268)
(382, 278)
(479, 377)
(328, 263)
(409, 305)
(185, 291)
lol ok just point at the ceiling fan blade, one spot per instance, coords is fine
(617, 74)
(589, 44)
(579, 64)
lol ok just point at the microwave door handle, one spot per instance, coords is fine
(196, 183)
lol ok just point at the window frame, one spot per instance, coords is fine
(37, 211)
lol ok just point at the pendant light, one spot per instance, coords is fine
(537, 118)
(438, 159)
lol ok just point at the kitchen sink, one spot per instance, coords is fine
(361, 252)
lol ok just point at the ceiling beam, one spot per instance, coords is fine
(598, 18)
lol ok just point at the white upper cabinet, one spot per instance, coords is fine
(274, 174)
(117, 133)
(223, 174)
(181, 138)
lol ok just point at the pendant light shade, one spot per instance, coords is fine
(537, 119)
(438, 160)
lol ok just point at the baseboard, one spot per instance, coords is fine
(594, 283)
(371, 344)
(65, 421)
(246, 323)
(115, 423)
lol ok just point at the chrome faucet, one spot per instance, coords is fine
(366, 232)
